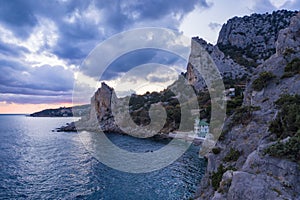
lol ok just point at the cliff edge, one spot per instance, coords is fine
(258, 153)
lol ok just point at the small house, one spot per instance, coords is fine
(201, 128)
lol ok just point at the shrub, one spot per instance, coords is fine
(233, 104)
(287, 99)
(216, 177)
(288, 52)
(293, 66)
(216, 150)
(242, 115)
(287, 123)
(262, 81)
(233, 155)
(289, 149)
(287, 75)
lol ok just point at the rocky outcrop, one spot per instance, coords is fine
(243, 44)
(100, 117)
(254, 35)
(242, 169)
(227, 67)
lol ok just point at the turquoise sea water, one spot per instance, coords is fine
(36, 163)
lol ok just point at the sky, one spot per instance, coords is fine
(44, 43)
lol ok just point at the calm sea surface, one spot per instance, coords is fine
(36, 163)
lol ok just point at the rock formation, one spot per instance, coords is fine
(254, 35)
(100, 117)
(243, 44)
(239, 167)
(227, 67)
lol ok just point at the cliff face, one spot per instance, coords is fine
(255, 35)
(227, 67)
(240, 167)
(243, 44)
(100, 117)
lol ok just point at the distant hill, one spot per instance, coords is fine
(76, 111)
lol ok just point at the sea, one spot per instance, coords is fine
(36, 162)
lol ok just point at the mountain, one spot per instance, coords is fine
(258, 153)
(243, 44)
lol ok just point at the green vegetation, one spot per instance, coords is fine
(216, 177)
(289, 149)
(233, 155)
(289, 52)
(286, 124)
(292, 68)
(237, 54)
(233, 104)
(242, 115)
(216, 150)
(262, 81)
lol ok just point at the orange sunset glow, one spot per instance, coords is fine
(13, 108)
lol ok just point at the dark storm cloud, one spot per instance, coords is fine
(139, 57)
(29, 91)
(44, 80)
(18, 16)
(21, 16)
(37, 99)
(81, 25)
(12, 50)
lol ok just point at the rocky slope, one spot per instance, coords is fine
(243, 44)
(248, 162)
(254, 35)
(227, 67)
(100, 117)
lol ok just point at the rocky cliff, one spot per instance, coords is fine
(243, 44)
(228, 68)
(253, 36)
(100, 117)
(258, 153)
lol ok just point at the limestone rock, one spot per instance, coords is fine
(226, 66)
(259, 176)
(254, 35)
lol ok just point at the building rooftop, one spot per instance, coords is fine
(203, 123)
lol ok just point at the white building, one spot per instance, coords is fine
(201, 128)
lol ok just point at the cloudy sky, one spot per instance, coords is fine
(43, 43)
